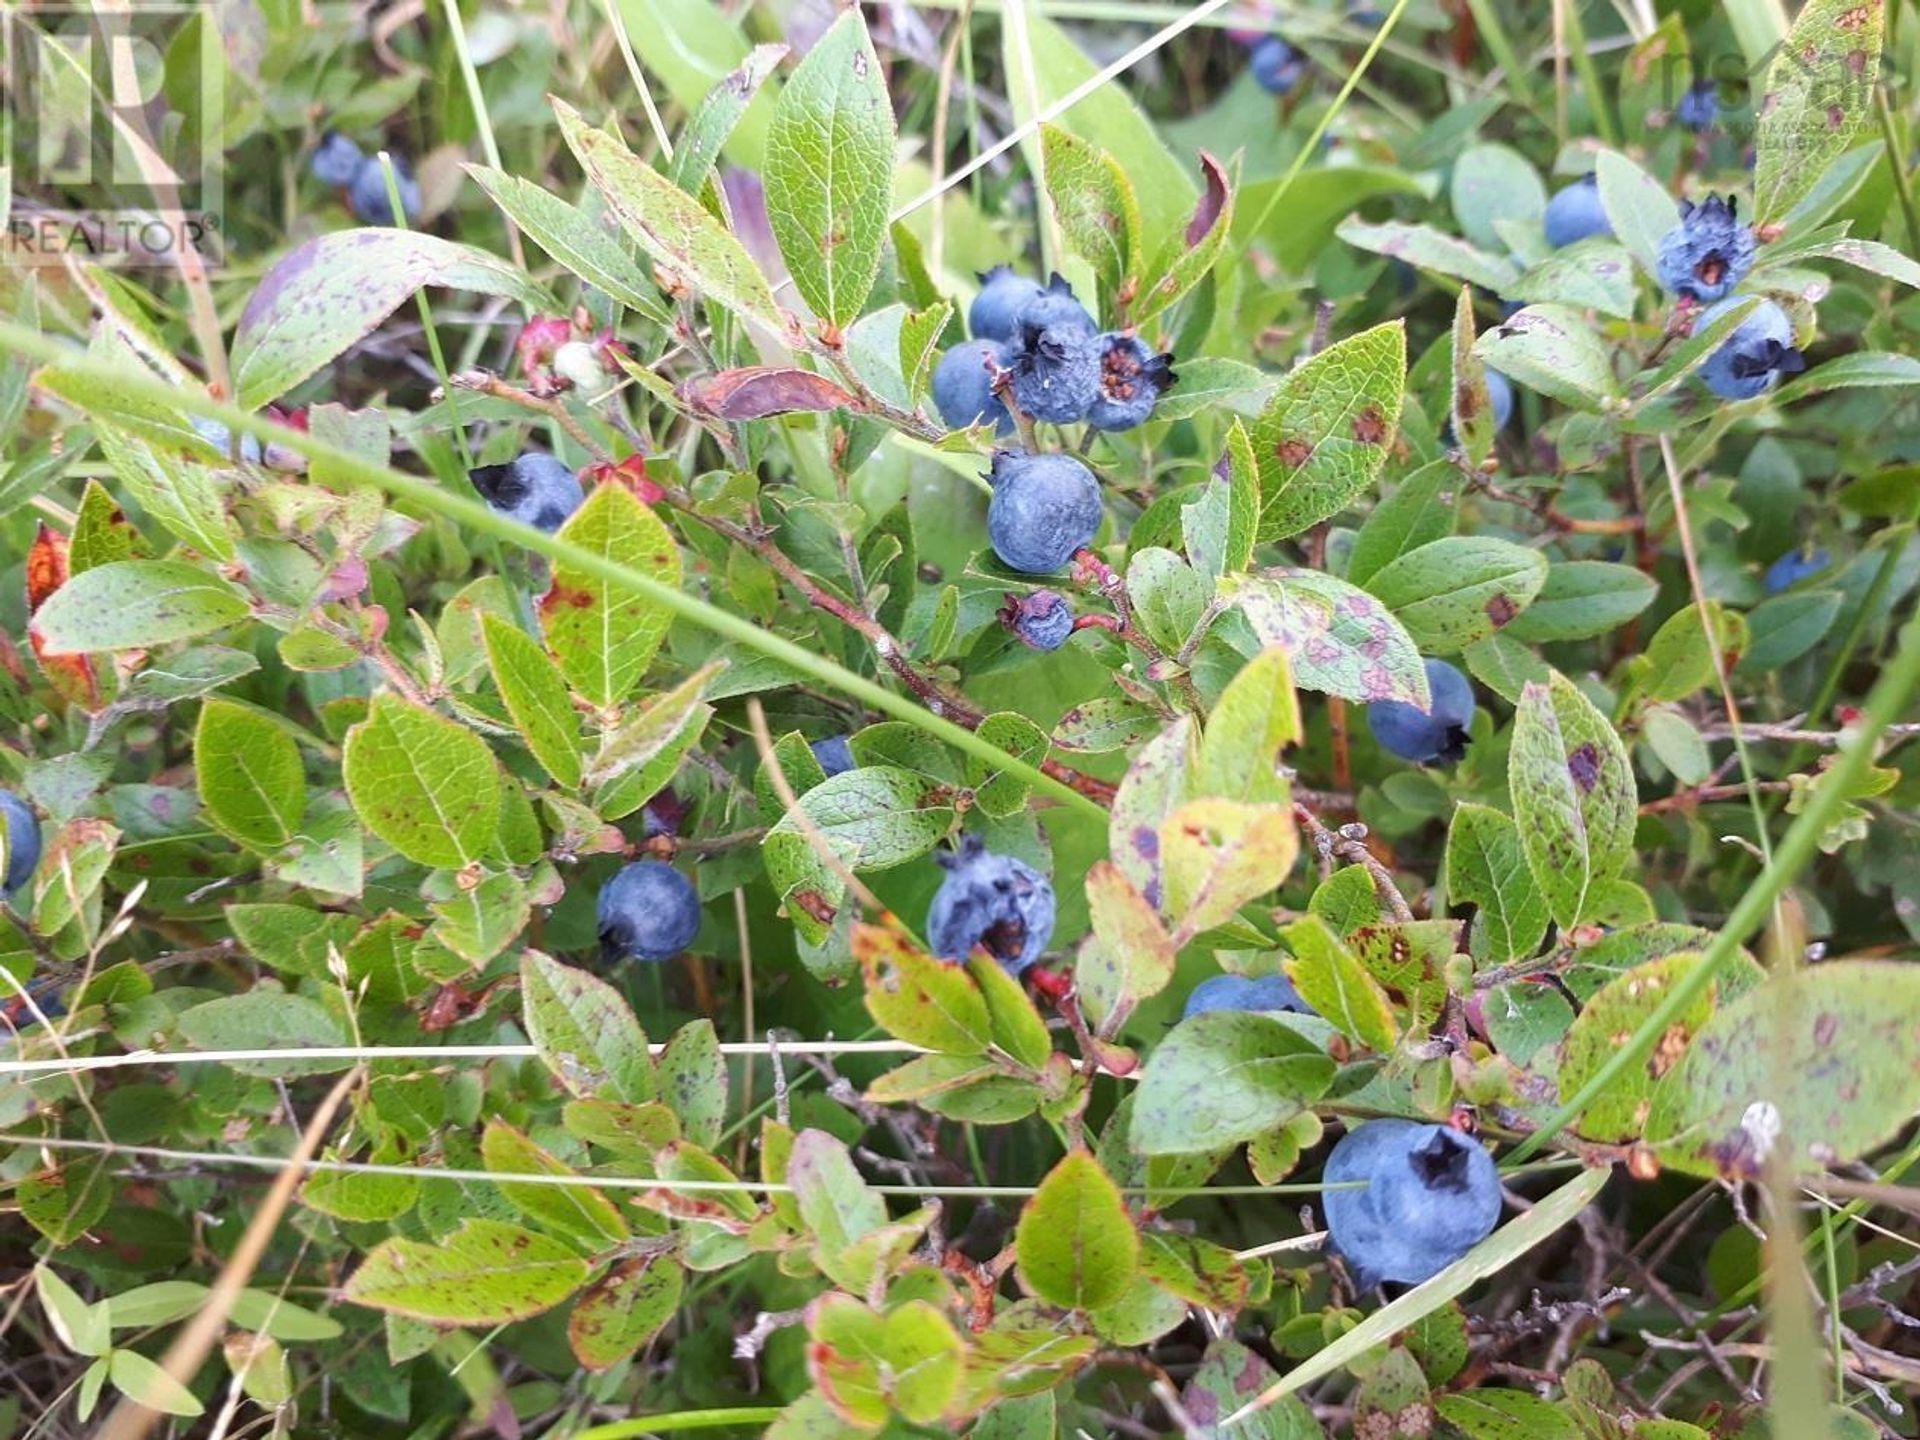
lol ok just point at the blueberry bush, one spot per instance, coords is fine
(988, 717)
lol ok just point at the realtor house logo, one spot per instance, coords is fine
(112, 132)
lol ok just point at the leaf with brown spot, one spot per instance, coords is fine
(1578, 836)
(1324, 407)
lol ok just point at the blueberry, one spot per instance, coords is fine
(1427, 737)
(336, 160)
(996, 308)
(367, 191)
(1431, 1195)
(1575, 212)
(963, 385)
(1051, 309)
(1276, 65)
(648, 910)
(992, 900)
(16, 1014)
(1056, 372)
(1793, 567)
(1755, 356)
(221, 438)
(1044, 508)
(834, 754)
(1043, 619)
(1367, 15)
(1500, 398)
(1699, 108)
(1132, 380)
(1709, 252)
(1239, 992)
(23, 841)
(535, 489)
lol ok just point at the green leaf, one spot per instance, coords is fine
(1323, 438)
(577, 1213)
(181, 494)
(603, 635)
(484, 1273)
(1212, 382)
(1332, 980)
(829, 171)
(1505, 1415)
(1590, 274)
(873, 817)
(135, 604)
(1228, 1374)
(1095, 205)
(1573, 797)
(102, 533)
(1798, 1067)
(868, 1365)
(265, 1019)
(1487, 868)
(67, 1200)
(708, 129)
(1256, 717)
(139, 1378)
(1864, 369)
(1420, 510)
(1075, 1243)
(1785, 627)
(670, 225)
(1639, 207)
(1222, 1077)
(663, 730)
(574, 238)
(1341, 640)
(584, 1032)
(1818, 92)
(1613, 1013)
(1217, 855)
(84, 1329)
(998, 793)
(919, 999)
(1461, 588)
(692, 1078)
(1130, 955)
(1494, 183)
(620, 1315)
(1677, 742)
(334, 291)
(836, 1204)
(424, 784)
(536, 697)
(1187, 255)
(1243, 501)
(1582, 599)
(1552, 349)
(1679, 660)
(1016, 1025)
(250, 776)
(1432, 250)
(1471, 409)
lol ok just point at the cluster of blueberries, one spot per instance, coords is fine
(338, 162)
(1038, 343)
(1702, 259)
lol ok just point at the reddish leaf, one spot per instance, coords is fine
(47, 571)
(756, 392)
(1207, 213)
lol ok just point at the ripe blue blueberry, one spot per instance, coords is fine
(23, 841)
(1056, 367)
(1240, 992)
(1575, 212)
(834, 754)
(1793, 567)
(1699, 108)
(992, 900)
(336, 160)
(1051, 309)
(221, 438)
(1276, 65)
(367, 191)
(1755, 356)
(648, 910)
(1709, 252)
(996, 309)
(1044, 619)
(1431, 1195)
(963, 385)
(1132, 380)
(535, 489)
(1427, 737)
(1044, 508)
(1499, 398)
